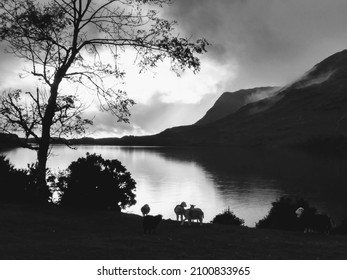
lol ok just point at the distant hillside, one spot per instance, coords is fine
(230, 102)
(8, 140)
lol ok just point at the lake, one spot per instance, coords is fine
(246, 181)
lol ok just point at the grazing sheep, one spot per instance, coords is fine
(314, 222)
(193, 213)
(145, 209)
(150, 223)
(179, 210)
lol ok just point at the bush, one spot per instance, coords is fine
(342, 228)
(282, 214)
(228, 218)
(15, 183)
(95, 183)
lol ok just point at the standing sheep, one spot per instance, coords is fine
(179, 210)
(145, 209)
(150, 223)
(314, 222)
(193, 213)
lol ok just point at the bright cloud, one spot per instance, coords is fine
(187, 88)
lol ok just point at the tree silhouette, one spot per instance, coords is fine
(15, 184)
(63, 40)
(95, 183)
(282, 214)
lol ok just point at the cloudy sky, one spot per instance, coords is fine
(254, 43)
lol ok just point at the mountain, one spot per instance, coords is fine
(230, 102)
(310, 113)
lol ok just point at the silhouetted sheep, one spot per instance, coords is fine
(179, 210)
(193, 213)
(314, 222)
(150, 223)
(145, 209)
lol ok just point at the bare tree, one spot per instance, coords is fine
(65, 39)
(22, 112)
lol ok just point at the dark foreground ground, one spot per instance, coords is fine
(30, 233)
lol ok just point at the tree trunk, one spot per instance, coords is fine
(42, 191)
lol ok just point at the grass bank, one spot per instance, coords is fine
(30, 233)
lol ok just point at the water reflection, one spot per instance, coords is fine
(215, 179)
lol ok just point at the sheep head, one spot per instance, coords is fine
(299, 212)
(183, 204)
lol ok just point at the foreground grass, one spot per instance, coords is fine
(30, 233)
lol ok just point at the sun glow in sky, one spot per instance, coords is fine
(176, 100)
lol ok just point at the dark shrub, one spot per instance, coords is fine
(228, 218)
(282, 214)
(15, 184)
(96, 183)
(342, 228)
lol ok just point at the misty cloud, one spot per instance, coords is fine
(262, 94)
(310, 79)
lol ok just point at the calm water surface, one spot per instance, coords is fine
(215, 179)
